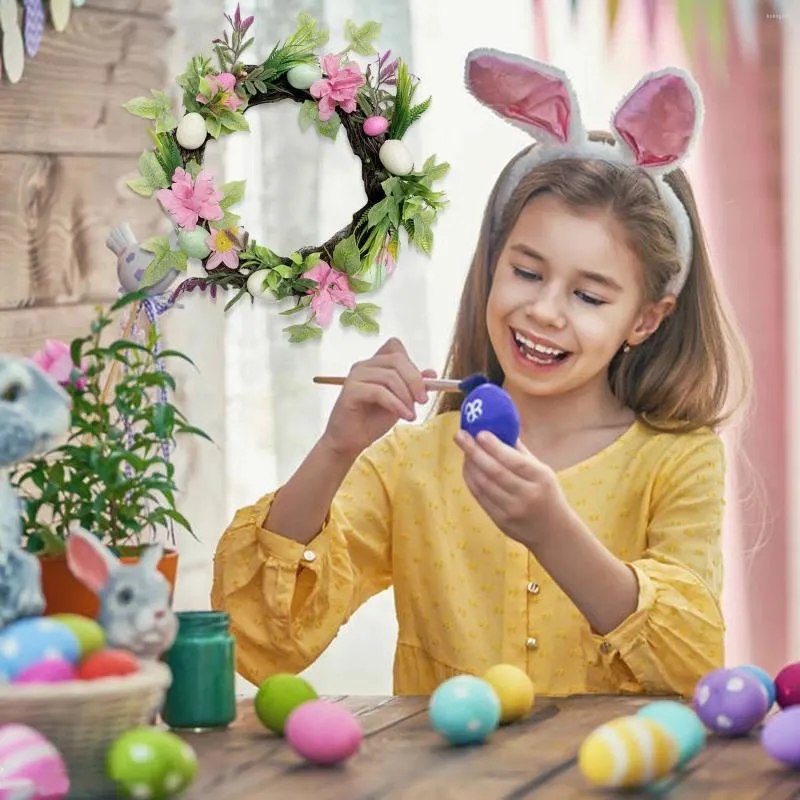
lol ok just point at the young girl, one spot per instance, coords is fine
(588, 554)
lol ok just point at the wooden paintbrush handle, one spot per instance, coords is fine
(431, 384)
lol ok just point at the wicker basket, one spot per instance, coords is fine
(83, 718)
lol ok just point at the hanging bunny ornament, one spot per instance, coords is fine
(655, 126)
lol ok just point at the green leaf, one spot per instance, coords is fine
(162, 265)
(233, 120)
(362, 38)
(213, 126)
(359, 286)
(142, 107)
(330, 128)
(379, 211)
(155, 244)
(152, 171)
(309, 115)
(308, 32)
(193, 167)
(141, 186)
(433, 171)
(423, 234)
(166, 122)
(303, 333)
(361, 318)
(229, 220)
(233, 193)
(347, 256)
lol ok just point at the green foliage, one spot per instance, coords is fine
(157, 108)
(361, 39)
(309, 115)
(404, 113)
(84, 481)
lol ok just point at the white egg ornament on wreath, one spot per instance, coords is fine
(191, 132)
(257, 284)
(303, 76)
(395, 156)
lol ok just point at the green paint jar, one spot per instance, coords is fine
(203, 694)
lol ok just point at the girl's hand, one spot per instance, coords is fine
(519, 492)
(376, 394)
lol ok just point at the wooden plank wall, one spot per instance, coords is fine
(66, 150)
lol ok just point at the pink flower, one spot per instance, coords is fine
(225, 247)
(55, 360)
(188, 201)
(386, 256)
(225, 83)
(332, 288)
(339, 88)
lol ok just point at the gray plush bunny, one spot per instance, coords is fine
(135, 609)
(34, 410)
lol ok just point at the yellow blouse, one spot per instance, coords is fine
(466, 596)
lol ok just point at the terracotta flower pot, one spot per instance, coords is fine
(64, 594)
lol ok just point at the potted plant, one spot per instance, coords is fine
(112, 476)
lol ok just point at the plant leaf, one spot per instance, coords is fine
(141, 186)
(155, 244)
(362, 38)
(233, 193)
(329, 128)
(213, 126)
(152, 171)
(143, 107)
(347, 256)
(233, 120)
(303, 333)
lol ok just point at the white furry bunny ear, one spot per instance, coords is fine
(151, 556)
(90, 561)
(533, 96)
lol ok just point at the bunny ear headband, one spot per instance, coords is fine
(655, 126)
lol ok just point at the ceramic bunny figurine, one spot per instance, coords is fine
(34, 410)
(135, 607)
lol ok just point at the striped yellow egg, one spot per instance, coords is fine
(627, 752)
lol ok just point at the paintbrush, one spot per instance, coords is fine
(431, 384)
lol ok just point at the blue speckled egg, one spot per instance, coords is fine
(765, 679)
(681, 723)
(490, 408)
(465, 710)
(30, 641)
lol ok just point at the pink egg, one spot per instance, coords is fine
(375, 126)
(323, 732)
(26, 755)
(21, 789)
(781, 737)
(54, 670)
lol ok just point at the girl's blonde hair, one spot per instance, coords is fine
(694, 371)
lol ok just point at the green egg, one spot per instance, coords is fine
(303, 76)
(193, 243)
(151, 764)
(91, 637)
(278, 696)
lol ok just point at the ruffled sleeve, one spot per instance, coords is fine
(676, 634)
(286, 600)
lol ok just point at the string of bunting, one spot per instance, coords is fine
(705, 22)
(22, 27)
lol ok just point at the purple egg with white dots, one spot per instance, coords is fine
(781, 737)
(730, 702)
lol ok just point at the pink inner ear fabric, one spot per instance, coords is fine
(657, 120)
(86, 563)
(519, 92)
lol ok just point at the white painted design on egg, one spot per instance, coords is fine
(703, 694)
(141, 791)
(735, 684)
(644, 736)
(189, 753)
(461, 691)
(474, 725)
(173, 782)
(724, 722)
(141, 753)
(619, 754)
(46, 625)
(52, 654)
(9, 648)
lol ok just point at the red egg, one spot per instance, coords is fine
(787, 686)
(107, 664)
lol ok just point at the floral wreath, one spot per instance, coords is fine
(375, 108)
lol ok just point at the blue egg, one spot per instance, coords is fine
(765, 679)
(465, 710)
(30, 641)
(490, 408)
(681, 723)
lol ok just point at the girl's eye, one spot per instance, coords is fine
(590, 299)
(526, 274)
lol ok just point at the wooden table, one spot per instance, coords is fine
(403, 758)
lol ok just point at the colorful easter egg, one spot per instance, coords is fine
(303, 76)
(765, 679)
(490, 408)
(150, 763)
(680, 722)
(628, 752)
(91, 636)
(730, 702)
(26, 755)
(193, 243)
(278, 696)
(54, 670)
(787, 686)
(394, 155)
(17, 789)
(107, 664)
(780, 737)
(465, 710)
(29, 641)
(514, 689)
(323, 732)
(376, 126)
